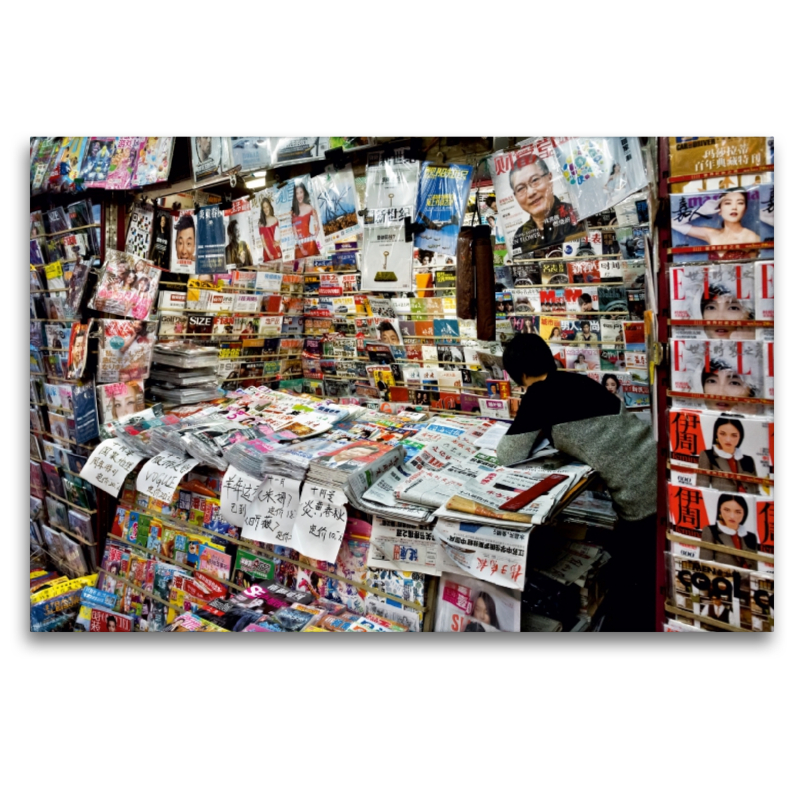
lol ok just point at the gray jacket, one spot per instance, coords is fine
(620, 448)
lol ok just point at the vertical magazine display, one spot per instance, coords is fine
(65, 252)
(720, 559)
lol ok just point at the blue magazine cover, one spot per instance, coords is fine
(721, 219)
(441, 202)
(84, 405)
(210, 240)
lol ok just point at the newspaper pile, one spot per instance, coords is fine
(591, 508)
(184, 372)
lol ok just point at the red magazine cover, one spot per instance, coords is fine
(109, 622)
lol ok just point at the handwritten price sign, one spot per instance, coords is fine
(321, 520)
(271, 515)
(109, 465)
(160, 476)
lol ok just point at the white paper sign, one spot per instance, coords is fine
(238, 491)
(160, 476)
(321, 520)
(272, 512)
(109, 465)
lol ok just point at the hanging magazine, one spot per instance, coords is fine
(250, 152)
(599, 172)
(292, 150)
(532, 197)
(441, 203)
(119, 400)
(154, 160)
(300, 229)
(336, 203)
(123, 162)
(210, 156)
(183, 252)
(210, 233)
(140, 227)
(238, 235)
(725, 369)
(161, 239)
(127, 287)
(97, 161)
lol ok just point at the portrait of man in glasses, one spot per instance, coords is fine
(551, 219)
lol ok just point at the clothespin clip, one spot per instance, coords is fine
(281, 177)
(336, 157)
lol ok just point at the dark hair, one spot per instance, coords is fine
(474, 627)
(386, 326)
(718, 365)
(726, 498)
(490, 607)
(715, 291)
(262, 220)
(586, 298)
(185, 221)
(526, 161)
(586, 324)
(111, 619)
(609, 377)
(728, 421)
(295, 204)
(528, 354)
(234, 223)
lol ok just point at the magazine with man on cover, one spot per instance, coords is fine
(532, 197)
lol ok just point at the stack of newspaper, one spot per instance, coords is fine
(187, 374)
(481, 498)
(591, 508)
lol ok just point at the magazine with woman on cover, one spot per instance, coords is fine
(125, 350)
(128, 286)
(717, 292)
(726, 369)
(727, 219)
(298, 221)
(738, 448)
(739, 522)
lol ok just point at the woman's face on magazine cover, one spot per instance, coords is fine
(732, 207)
(731, 514)
(124, 404)
(726, 382)
(727, 438)
(480, 612)
(725, 307)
